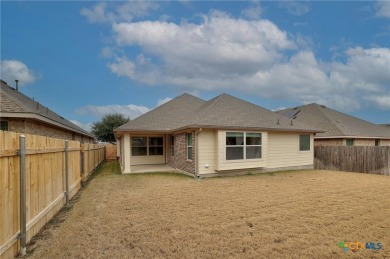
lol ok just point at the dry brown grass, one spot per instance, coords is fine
(301, 214)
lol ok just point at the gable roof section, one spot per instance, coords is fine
(166, 117)
(223, 111)
(13, 103)
(334, 123)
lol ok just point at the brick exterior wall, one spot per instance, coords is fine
(179, 160)
(356, 142)
(329, 142)
(364, 142)
(384, 142)
(41, 129)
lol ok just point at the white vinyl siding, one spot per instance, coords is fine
(206, 151)
(283, 151)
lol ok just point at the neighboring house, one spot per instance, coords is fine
(20, 113)
(215, 137)
(339, 129)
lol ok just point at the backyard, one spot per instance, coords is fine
(296, 214)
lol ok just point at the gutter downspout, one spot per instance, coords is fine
(197, 153)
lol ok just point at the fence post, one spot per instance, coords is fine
(23, 226)
(89, 161)
(82, 160)
(94, 159)
(67, 172)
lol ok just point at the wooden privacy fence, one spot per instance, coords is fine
(363, 159)
(52, 174)
(111, 152)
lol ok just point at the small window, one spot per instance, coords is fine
(156, 146)
(377, 142)
(189, 146)
(4, 125)
(349, 142)
(139, 146)
(304, 142)
(172, 145)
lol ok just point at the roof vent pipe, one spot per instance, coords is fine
(292, 123)
(278, 122)
(17, 84)
(37, 105)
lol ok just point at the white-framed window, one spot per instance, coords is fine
(189, 146)
(304, 142)
(172, 145)
(147, 146)
(243, 145)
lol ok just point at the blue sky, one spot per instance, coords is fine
(84, 59)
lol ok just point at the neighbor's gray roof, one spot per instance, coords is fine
(16, 104)
(334, 123)
(223, 111)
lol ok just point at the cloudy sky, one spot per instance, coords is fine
(84, 59)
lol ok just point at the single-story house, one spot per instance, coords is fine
(216, 137)
(339, 129)
(20, 113)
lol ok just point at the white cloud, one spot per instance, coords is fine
(132, 111)
(84, 126)
(114, 12)
(383, 9)
(96, 14)
(218, 48)
(253, 12)
(15, 69)
(295, 8)
(162, 101)
(380, 101)
(253, 56)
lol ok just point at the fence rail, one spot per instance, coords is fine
(45, 180)
(362, 159)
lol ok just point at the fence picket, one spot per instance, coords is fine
(363, 159)
(45, 176)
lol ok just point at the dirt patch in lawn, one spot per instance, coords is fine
(301, 214)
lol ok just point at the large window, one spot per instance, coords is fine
(147, 146)
(243, 145)
(189, 146)
(4, 125)
(304, 142)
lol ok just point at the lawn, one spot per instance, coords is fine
(297, 214)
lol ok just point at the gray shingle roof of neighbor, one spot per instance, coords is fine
(15, 102)
(223, 111)
(334, 123)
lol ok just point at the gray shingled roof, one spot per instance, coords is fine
(15, 102)
(334, 123)
(223, 111)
